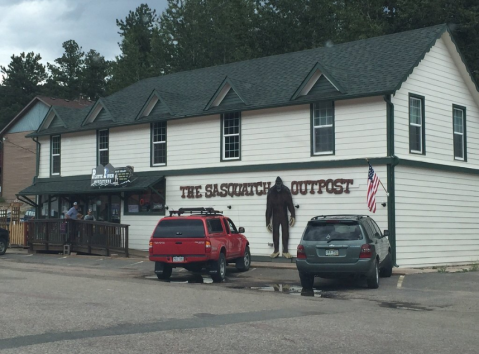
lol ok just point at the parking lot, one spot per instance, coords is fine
(84, 304)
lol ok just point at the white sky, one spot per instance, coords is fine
(42, 26)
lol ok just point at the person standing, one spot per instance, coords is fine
(89, 216)
(73, 212)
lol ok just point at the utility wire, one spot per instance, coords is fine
(21, 147)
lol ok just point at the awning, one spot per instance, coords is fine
(81, 185)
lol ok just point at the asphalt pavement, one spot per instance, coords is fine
(90, 304)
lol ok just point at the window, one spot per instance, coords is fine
(103, 145)
(232, 227)
(214, 226)
(56, 155)
(323, 128)
(158, 144)
(231, 138)
(151, 201)
(459, 123)
(416, 125)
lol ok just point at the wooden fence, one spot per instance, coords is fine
(84, 236)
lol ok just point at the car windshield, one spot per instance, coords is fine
(179, 228)
(332, 230)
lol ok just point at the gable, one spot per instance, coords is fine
(56, 123)
(31, 120)
(231, 98)
(52, 120)
(103, 116)
(322, 87)
(98, 113)
(155, 105)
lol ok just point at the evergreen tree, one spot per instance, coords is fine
(94, 75)
(66, 75)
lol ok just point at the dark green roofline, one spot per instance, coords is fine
(152, 119)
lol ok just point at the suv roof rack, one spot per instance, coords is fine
(196, 211)
(355, 216)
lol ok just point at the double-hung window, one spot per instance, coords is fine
(322, 128)
(158, 144)
(231, 136)
(416, 125)
(103, 147)
(459, 123)
(55, 155)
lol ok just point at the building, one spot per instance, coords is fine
(18, 153)
(220, 136)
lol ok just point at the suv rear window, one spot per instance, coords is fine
(179, 229)
(336, 230)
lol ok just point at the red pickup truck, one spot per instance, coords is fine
(203, 239)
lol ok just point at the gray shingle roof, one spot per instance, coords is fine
(368, 67)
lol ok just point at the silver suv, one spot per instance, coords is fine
(334, 246)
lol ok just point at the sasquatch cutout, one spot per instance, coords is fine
(278, 202)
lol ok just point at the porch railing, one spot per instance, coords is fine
(91, 237)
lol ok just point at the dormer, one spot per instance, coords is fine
(154, 105)
(318, 82)
(98, 113)
(226, 95)
(52, 120)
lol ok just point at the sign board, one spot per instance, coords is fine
(109, 176)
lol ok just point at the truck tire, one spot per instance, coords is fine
(218, 269)
(307, 280)
(164, 273)
(243, 263)
(373, 277)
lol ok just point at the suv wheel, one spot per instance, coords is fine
(218, 269)
(3, 246)
(307, 280)
(373, 277)
(166, 273)
(387, 269)
(243, 263)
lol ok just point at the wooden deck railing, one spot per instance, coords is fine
(91, 237)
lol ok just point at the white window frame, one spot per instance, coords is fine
(55, 155)
(99, 150)
(224, 136)
(421, 126)
(455, 108)
(153, 143)
(322, 126)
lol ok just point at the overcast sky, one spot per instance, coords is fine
(42, 26)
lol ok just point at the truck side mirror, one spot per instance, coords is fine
(241, 230)
(386, 233)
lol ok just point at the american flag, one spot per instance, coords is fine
(373, 183)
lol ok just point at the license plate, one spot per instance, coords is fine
(178, 259)
(332, 252)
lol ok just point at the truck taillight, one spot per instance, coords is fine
(208, 246)
(151, 244)
(366, 251)
(300, 254)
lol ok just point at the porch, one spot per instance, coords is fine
(82, 236)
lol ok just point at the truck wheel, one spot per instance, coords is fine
(307, 280)
(243, 263)
(218, 269)
(3, 246)
(164, 274)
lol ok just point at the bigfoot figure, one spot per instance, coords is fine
(278, 202)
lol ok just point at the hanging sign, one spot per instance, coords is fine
(109, 176)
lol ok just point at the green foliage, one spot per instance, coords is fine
(66, 74)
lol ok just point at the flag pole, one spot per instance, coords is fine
(387, 193)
